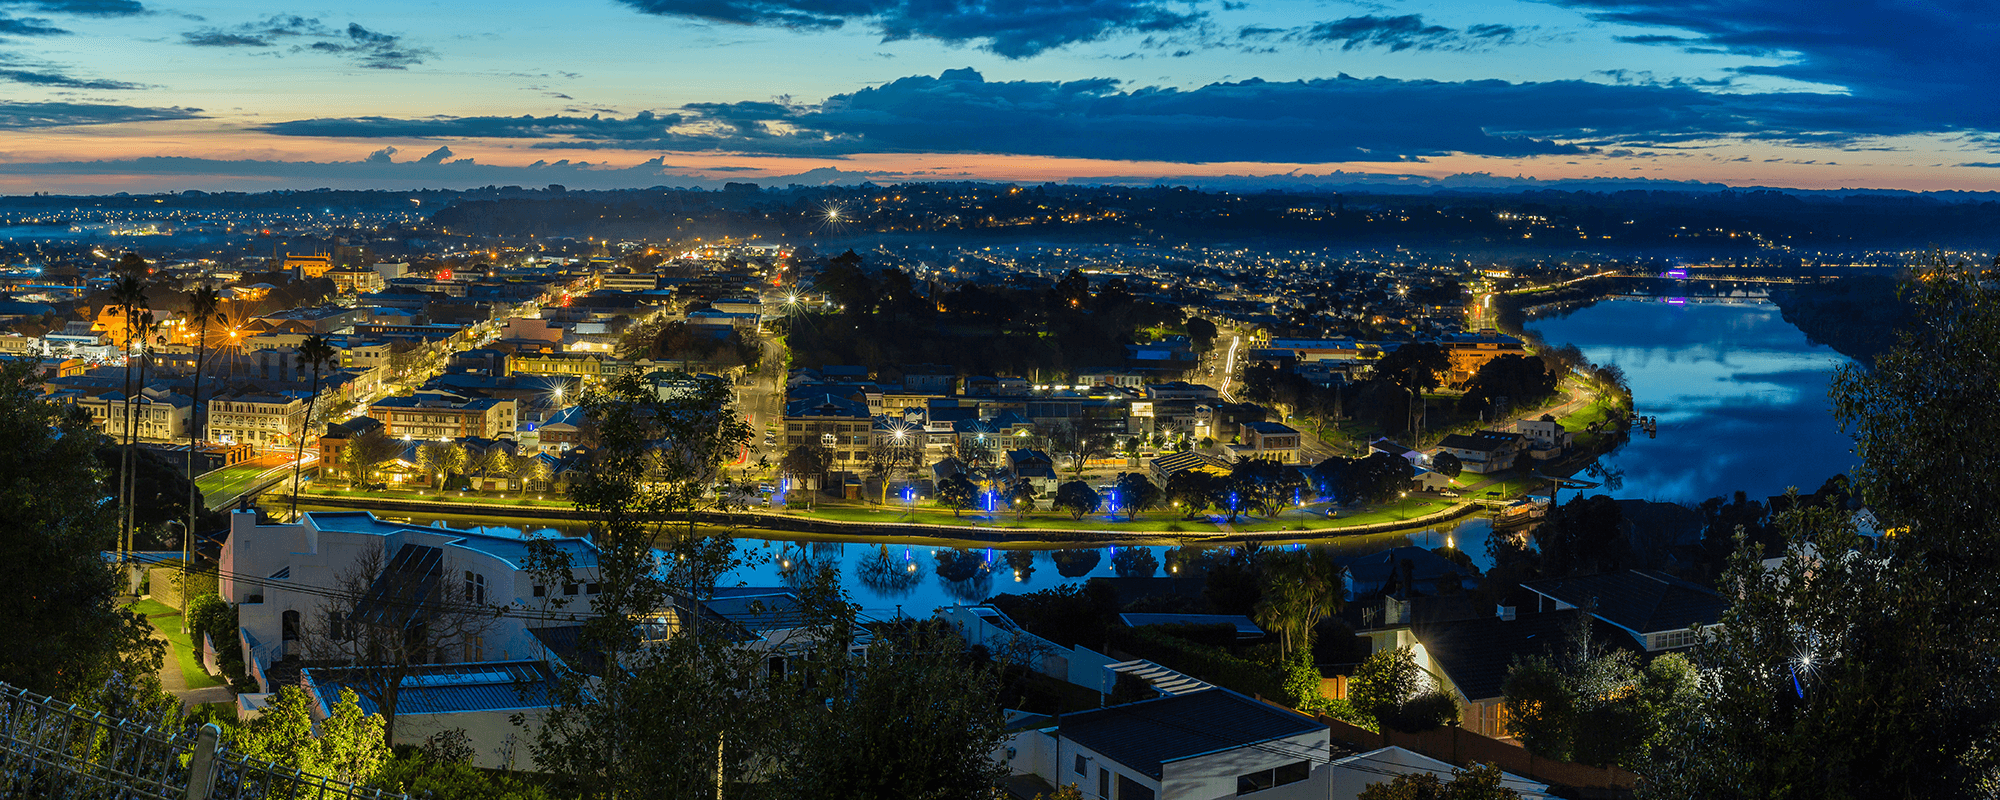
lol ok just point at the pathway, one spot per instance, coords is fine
(176, 684)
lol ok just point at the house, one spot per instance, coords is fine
(1376, 573)
(1352, 775)
(1657, 610)
(1270, 441)
(1245, 628)
(1485, 452)
(1546, 438)
(479, 698)
(1469, 657)
(1035, 467)
(278, 574)
(1196, 745)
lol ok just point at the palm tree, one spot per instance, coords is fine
(129, 292)
(204, 305)
(316, 352)
(1301, 589)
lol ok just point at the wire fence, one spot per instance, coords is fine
(52, 749)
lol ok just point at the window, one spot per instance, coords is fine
(828, 439)
(475, 588)
(541, 591)
(569, 588)
(593, 588)
(475, 648)
(291, 626)
(1129, 789)
(1281, 776)
(335, 627)
(1103, 783)
(1082, 765)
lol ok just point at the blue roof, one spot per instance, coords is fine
(449, 688)
(512, 550)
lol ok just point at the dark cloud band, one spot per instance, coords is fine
(1011, 28)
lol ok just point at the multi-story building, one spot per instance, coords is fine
(586, 366)
(356, 281)
(844, 427)
(435, 415)
(1471, 351)
(1271, 441)
(156, 416)
(262, 421)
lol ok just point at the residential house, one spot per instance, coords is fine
(1353, 774)
(1660, 612)
(1545, 438)
(479, 698)
(1380, 572)
(278, 575)
(1270, 441)
(1485, 452)
(157, 416)
(1196, 745)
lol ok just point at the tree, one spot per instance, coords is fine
(1447, 465)
(1415, 367)
(918, 716)
(441, 460)
(1481, 782)
(1581, 537)
(1302, 587)
(350, 746)
(1201, 333)
(808, 460)
(366, 453)
(1390, 689)
(1077, 498)
(55, 524)
(1523, 380)
(1863, 667)
(1021, 493)
(676, 711)
(957, 493)
(1137, 493)
(1191, 488)
(204, 307)
(1587, 703)
(129, 292)
(319, 354)
(386, 638)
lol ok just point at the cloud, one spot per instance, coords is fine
(1010, 28)
(28, 26)
(296, 34)
(1986, 164)
(26, 116)
(639, 127)
(81, 8)
(1395, 34)
(1931, 65)
(380, 172)
(60, 80)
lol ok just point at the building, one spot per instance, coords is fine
(1485, 452)
(312, 266)
(844, 427)
(156, 416)
(1353, 775)
(1470, 657)
(263, 421)
(1546, 438)
(436, 415)
(1271, 441)
(278, 576)
(585, 366)
(1470, 351)
(356, 281)
(1197, 745)
(1660, 612)
(479, 698)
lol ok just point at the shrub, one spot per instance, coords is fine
(1200, 661)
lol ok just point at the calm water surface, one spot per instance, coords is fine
(1739, 392)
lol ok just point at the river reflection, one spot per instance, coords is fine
(1739, 392)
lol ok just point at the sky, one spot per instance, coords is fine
(158, 95)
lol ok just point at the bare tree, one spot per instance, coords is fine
(390, 614)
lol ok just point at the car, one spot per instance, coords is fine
(1448, 493)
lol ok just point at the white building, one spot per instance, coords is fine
(1352, 775)
(279, 574)
(1195, 746)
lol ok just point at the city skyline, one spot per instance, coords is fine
(118, 95)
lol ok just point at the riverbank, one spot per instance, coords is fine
(901, 524)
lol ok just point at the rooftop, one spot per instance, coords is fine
(1149, 733)
(1640, 601)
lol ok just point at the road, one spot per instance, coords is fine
(1229, 369)
(222, 488)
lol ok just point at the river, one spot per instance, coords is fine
(1739, 392)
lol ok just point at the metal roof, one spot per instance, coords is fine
(448, 688)
(1146, 734)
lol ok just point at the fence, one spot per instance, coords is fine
(1462, 747)
(56, 750)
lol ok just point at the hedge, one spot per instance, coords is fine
(1201, 662)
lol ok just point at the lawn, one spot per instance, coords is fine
(1154, 521)
(167, 620)
(434, 497)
